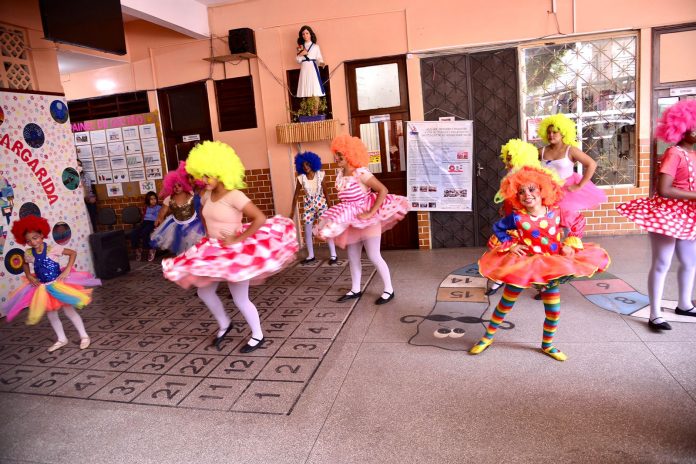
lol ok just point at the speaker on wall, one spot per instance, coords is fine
(110, 254)
(242, 41)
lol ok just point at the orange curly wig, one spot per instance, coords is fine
(551, 192)
(29, 224)
(352, 149)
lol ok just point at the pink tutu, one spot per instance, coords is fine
(666, 216)
(588, 196)
(341, 222)
(266, 252)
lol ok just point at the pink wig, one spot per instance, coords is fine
(676, 121)
(175, 177)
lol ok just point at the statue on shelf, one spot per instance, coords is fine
(310, 85)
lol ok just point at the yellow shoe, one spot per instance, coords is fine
(481, 346)
(558, 355)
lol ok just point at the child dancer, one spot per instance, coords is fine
(231, 252)
(183, 228)
(560, 154)
(515, 154)
(361, 216)
(49, 288)
(535, 256)
(669, 215)
(141, 232)
(310, 178)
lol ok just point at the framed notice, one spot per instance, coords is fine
(440, 165)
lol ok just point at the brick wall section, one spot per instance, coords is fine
(424, 230)
(259, 190)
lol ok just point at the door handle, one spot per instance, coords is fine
(479, 168)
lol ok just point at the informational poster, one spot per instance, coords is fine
(440, 165)
(120, 150)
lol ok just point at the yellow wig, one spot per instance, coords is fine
(217, 160)
(521, 153)
(562, 124)
(352, 149)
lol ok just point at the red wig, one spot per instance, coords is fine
(29, 224)
(551, 193)
(352, 150)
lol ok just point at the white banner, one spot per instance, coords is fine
(440, 165)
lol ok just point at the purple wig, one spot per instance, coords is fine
(676, 121)
(311, 157)
(175, 177)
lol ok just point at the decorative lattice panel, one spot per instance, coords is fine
(15, 72)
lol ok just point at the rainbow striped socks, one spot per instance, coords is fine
(507, 301)
(552, 307)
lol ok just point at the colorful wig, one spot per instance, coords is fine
(676, 121)
(217, 160)
(564, 125)
(175, 177)
(310, 157)
(551, 192)
(521, 153)
(29, 223)
(353, 150)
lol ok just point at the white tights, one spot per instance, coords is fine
(663, 248)
(240, 295)
(310, 244)
(75, 318)
(372, 249)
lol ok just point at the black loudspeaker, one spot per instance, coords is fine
(242, 41)
(110, 254)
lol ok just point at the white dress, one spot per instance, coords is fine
(309, 84)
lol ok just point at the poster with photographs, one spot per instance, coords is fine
(81, 138)
(147, 186)
(121, 149)
(114, 190)
(440, 165)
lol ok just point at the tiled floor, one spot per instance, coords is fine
(387, 389)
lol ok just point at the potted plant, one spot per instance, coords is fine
(311, 109)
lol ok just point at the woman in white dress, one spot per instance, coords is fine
(309, 57)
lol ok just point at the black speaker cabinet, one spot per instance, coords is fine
(110, 254)
(242, 41)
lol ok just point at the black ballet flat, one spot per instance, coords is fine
(248, 348)
(494, 289)
(664, 325)
(333, 260)
(685, 312)
(218, 340)
(308, 260)
(381, 301)
(349, 296)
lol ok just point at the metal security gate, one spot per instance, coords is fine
(481, 87)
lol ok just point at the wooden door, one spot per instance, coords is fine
(382, 130)
(185, 119)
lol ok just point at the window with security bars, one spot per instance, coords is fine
(15, 71)
(592, 82)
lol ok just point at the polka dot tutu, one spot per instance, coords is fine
(666, 216)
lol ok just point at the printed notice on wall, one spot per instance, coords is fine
(440, 161)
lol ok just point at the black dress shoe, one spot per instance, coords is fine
(664, 325)
(381, 301)
(685, 312)
(248, 348)
(308, 260)
(494, 288)
(218, 340)
(333, 260)
(349, 296)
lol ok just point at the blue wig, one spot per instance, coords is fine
(312, 158)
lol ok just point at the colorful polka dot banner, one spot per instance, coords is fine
(37, 176)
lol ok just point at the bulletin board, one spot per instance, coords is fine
(122, 156)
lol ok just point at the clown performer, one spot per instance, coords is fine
(670, 215)
(561, 154)
(231, 252)
(365, 211)
(310, 178)
(178, 226)
(535, 256)
(50, 288)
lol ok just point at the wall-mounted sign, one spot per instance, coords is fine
(682, 91)
(191, 138)
(380, 118)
